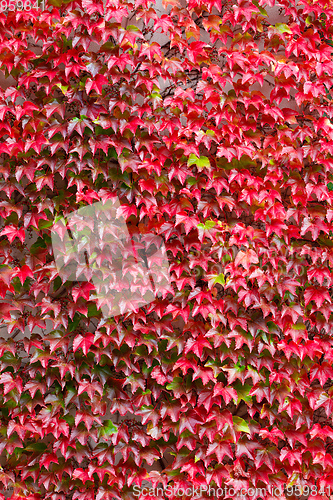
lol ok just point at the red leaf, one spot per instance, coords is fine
(10, 383)
(90, 388)
(220, 450)
(12, 232)
(48, 458)
(23, 273)
(96, 83)
(82, 290)
(247, 258)
(197, 345)
(316, 294)
(83, 342)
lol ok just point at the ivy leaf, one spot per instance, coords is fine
(13, 232)
(201, 162)
(240, 424)
(108, 428)
(243, 392)
(282, 28)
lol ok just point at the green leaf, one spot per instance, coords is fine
(69, 419)
(242, 392)
(283, 28)
(8, 359)
(201, 162)
(39, 447)
(63, 88)
(240, 424)
(132, 27)
(92, 310)
(103, 131)
(220, 279)
(209, 224)
(261, 10)
(112, 152)
(17, 284)
(107, 46)
(192, 181)
(72, 325)
(330, 186)
(57, 283)
(18, 451)
(108, 428)
(43, 224)
(175, 384)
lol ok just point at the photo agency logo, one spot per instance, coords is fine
(127, 269)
